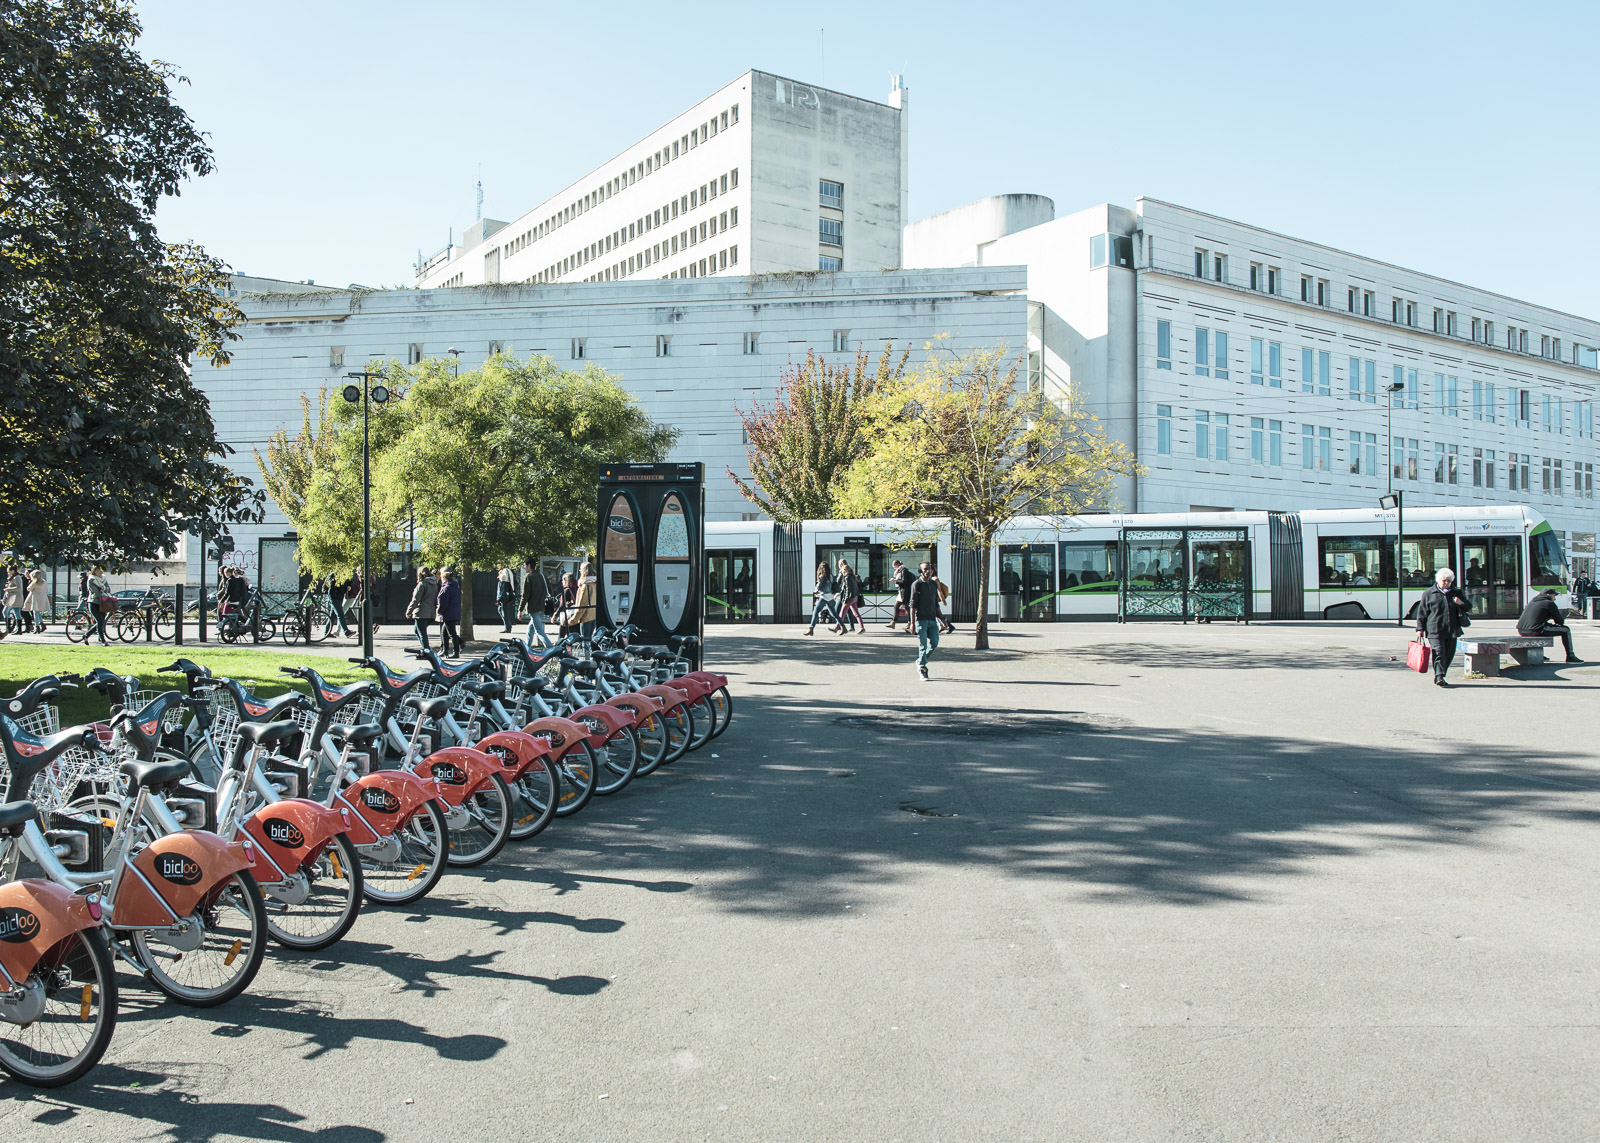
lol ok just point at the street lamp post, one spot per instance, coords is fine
(455, 361)
(1397, 501)
(366, 393)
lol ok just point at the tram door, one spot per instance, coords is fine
(1028, 582)
(1491, 575)
(731, 586)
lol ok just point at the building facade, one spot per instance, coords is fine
(692, 353)
(1251, 370)
(762, 176)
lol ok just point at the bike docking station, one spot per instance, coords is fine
(650, 546)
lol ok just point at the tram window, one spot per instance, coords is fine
(1422, 556)
(1549, 564)
(1089, 566)
(1157, 562)
(1357, 561)
(874, 563)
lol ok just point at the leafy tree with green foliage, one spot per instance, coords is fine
(802, 444)
(500, 463)
(106, 447)
(962, 438)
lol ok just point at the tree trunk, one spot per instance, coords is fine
(980, 628)
(466, 602)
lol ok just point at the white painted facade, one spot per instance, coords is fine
(727, 342)
(734, 185)
(1126, 309)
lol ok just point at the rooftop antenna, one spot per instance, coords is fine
(479, 216)
(822, 63)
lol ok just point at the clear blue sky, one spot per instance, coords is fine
(1457, 139)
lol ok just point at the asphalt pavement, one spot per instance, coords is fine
(1140, 882)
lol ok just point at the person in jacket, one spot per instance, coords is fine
(1439, 616)
(583, 605)
(1543, 617)
(424, 605)
(338, 594)
(534, 600)
(849, 585)
(505, 599)
(902, 579)
(99, 588)
(822, 599)
(12, 597)
(925, 615)
(449, 613)
(38, 599)
(565, 599)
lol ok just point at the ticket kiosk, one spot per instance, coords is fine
(651, 545)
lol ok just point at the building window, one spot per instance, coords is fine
(1324, 292)
(663, 345)
(1200, 260)
(841, 341)
(1163, 345)
(830, 232)
(1450, 323)
(580, 348)
(1202, 352)
(1446, 395)
(1258, 440)
(826, 263)
(1275, 443)
(1305, 287)
(1516, 472)
(1258, 276)
(336, 357)
(1438, 320)
(1274, 276)
(1438, 464)
(1097, 251)
(1369, 303)
(1164, 430)
(1351, 299)
(1477, 468)
(1221, 362)
(1324, 373)
(496, 347)
(1583, 419)
(414, 353)
(752, 343)
(1202, 435)
(1396, 309)
(1363, 454)
(1275, 364)
(1521, 407)
(1258, 364)
(1453, 463)
(1483, 401)
(1554, 420)
(1308, 371)
(1411, 458)
(1220, 422)
(1354, 373)
(1219, 267)
(1411, 313)
(1583, 480)
(1308, 446)
(830, 193)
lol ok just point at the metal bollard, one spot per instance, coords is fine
(177, 627)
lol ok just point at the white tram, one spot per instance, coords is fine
(1333, 563)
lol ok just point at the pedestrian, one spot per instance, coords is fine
(11, 596)
(449, 613)
(102, 602)
(564, 602)
(38, 600)
(1582, 588)
(849, 585)
(1543, 617)
(822, 598)
(505, 599)
(902, 579)
(925, 613)
(238, 592)
(424, 605)
(1441, 615)
(583, 604)
(534, 601)
(338, 592)
(945, 626)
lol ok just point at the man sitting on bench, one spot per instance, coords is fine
(1543, 617)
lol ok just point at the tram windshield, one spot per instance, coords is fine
(1549, 562)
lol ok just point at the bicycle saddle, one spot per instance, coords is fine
(155, 775)
(538, 684)
(487, 691)
(360, 734)
(644, 650)
(431, 707)
(266, 733)
(581, 666)
(14, 817)
(683, 640)
(613, 657)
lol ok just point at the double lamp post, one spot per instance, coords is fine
(364, 394)
(1397, 501)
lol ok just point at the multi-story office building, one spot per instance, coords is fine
(764, 175)
(1252, 370)
(693, 353)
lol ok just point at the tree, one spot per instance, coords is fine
(803, 443)
(500, 463)
(960, 438)
(106, 447)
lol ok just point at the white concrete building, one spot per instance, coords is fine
(689, 351)
(764, 175)
(1251, 370)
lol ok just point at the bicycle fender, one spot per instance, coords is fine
(604, 722)
(382, 802)
(670, 697)
(35, 916)
(710, 678)
(179, 872)
(642, 706)
(460, 771)
(524, 751)
(563, 733)
(290, 834)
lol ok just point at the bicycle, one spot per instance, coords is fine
(156, 609)
(79, 623)
(249, 619)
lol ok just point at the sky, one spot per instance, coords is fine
(1455, 139)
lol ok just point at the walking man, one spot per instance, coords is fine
(1439, 615)
(1543, 617)
(535, 598)
(925, 616)
(902, 579)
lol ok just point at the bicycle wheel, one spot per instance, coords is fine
(480, 825)
(722, 705)
(577, 770)
(233, 939)
(129, 625)
(227, 632)
(265, 631)
(406, 865)
(79, 625)
(619, 762)
(166, 624)
(289, 627)
(704, 721)
(332, 903)
(652, 733)
(535, 795)
(680, 732)
(80, 1013)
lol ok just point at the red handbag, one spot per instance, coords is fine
(1418, 656)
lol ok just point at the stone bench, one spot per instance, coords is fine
(1483, 655)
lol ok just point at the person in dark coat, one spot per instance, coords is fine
(535, 599)
(925, 617)
(1439, 616)
(902, 578)
(424, 605)
(1543, 617)
(449, 613)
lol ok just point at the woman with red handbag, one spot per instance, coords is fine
(1441, 614)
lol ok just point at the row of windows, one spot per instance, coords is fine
(668, 247)
(1406, 455)
(626, 178)
(710, 264)
(1213, 266)
(1402, 383)
(579, 349)
(645, 224)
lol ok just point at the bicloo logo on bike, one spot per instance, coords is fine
(18, 926)
(449, 773)
(284, 833)
(381, 800)
(178, 869)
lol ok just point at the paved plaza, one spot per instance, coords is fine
(1143, 882)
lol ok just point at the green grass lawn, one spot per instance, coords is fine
(255, 668)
